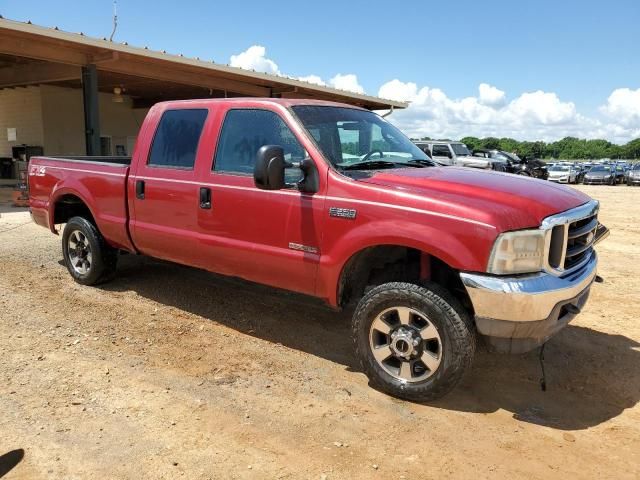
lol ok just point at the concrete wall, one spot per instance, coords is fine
(20, 108)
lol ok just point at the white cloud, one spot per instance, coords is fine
(346, 82)
(534, 115)
(490, 95)
(315, 79)
(623, 106)
(253, 58)
(397, 90)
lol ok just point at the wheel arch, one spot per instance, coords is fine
(67, 203)
(399, 261)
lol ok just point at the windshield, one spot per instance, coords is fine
(460, 149)
(559, 168)
(636, 167)
(600, 169)
(347, 137)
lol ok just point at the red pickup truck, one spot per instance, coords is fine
(333, 201)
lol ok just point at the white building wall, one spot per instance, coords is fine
(20, 108)
(63, 120)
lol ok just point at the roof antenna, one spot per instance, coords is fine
(115, 19)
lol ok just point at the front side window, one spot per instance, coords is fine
(175, 143)
(243, 133)
(500, 156)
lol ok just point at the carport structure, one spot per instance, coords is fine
(32, 55)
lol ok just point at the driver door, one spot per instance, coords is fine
(270, 237)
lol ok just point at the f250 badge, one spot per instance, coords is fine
(37, 171)
(348, 213)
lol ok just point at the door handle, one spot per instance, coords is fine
(140, 189)
(205, 198)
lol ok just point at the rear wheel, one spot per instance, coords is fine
(413, 342)
(87, 256)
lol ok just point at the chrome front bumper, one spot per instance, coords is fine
(525, 311)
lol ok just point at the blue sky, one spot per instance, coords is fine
(579, 51)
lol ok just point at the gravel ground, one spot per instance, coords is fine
(171, 372)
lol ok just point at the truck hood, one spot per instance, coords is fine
(505, 201)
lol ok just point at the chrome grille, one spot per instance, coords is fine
(571, 238)
(580, 237)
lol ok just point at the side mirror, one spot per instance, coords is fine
(268, 173)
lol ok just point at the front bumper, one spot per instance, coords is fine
(633, 180)
(596, 181)
(520, 313)
(559, 179)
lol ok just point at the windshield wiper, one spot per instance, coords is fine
(370, 164)
(423, 162)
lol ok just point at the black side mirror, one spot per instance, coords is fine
(268, 173)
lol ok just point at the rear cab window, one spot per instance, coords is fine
(175, 143)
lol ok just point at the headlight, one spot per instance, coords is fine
(521, 251)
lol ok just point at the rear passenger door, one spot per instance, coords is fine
(271, 237)
(442, 153)
(163, 194)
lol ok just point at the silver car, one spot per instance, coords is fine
(453, 153)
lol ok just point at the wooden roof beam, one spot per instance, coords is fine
(181, 76)
(36, 73)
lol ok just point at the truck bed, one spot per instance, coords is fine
(115, 160)
(98, 182)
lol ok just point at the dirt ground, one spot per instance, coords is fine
(171, 372)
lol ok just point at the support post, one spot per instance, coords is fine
(91, 109)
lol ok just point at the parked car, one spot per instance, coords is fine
(581, 171)
(513, 164)
(634, 175)
(600, 175)
(427, 256)
(620, 173)
(563, 174)
(452, 153)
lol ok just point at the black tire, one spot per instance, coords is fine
(104, 258)
(454, 325)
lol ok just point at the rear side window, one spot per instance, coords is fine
(176, 140)
(244, 132)
(441, 151)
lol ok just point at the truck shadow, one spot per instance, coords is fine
(9, 460)
(591, 378)
(591, 375)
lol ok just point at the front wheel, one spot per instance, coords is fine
(86, 254)
(413, 342)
